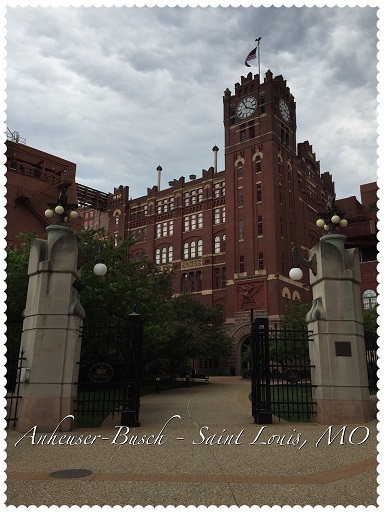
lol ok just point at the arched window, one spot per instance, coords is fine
(217, 244)
(186, 251)
(199, 247)
(157, 256)
(193, 249)
(369, 299)
(170, 254)
(164, 255)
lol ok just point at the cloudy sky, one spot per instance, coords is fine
(120, 91)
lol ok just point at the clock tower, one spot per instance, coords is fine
(262, 192)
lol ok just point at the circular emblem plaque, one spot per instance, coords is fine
(100, 373)
(292, 376)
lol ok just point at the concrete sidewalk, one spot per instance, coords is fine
(186, 462)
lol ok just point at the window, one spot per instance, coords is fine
(300, 181)
(186, 199)
(241, 230)
(186, 223)
(252, 131)
(290, 199)
(199, 247)
(158, 230)
(219, 215)
(157, 256)
(164, 255)
(116, 219)
(219, 189)
(259, 225)
(369, 299)
(193, 221)
(217, 244)
(170, 254)
(261, 260)
(219, 278)
(199, 220)
(258, 193)
(240, 170)
(165, 228)
(240, 197)
(170, 227)
(258, 164)
(280, 194)
(262, 104)
(193, 249)
(186, 251)
(243, 135)
(241, 264)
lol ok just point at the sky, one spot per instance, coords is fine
(122, 90)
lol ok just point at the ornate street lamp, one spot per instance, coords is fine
(296, 273)
(332, 218)
(62, 208)
(330, 221)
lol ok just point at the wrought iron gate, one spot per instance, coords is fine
(281, 373)
(109, 371)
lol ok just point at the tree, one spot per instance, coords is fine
(192, 330)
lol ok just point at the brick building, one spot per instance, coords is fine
(228, 235)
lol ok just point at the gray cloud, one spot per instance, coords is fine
(121, 90)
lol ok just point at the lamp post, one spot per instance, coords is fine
(330, 220)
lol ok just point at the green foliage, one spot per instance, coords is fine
(370, 317)
(176, 329)
(294, 314)
(17, 258)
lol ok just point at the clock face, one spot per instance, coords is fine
(284, 110)
(246, 107)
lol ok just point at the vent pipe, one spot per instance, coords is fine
(158, 169)
(215, 149)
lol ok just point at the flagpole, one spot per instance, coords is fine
(258, 86)
(258, 54)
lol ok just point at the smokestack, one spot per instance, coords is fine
(158, 169)
(215, 149)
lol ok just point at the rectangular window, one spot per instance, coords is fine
(170, 227)
(217, 215)
(241, 264)
(241, 230)
(240, 197)
(193, 221)
(158, 230)
(186, 224)
(165, 228)
(261, 260)
(259, 225)
(199, 220)
(243, 135)
(258, 193)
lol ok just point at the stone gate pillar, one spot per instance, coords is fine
(338, 348)
(51, 328)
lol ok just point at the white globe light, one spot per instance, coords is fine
(335, 219)
(326, 227)
(73, 214)
(343, 223)
(320, 223)
(48, 213)
(100, 269)
(59, 209)
(295, 274)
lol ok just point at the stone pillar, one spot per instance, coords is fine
(338, 349)
(51, 328)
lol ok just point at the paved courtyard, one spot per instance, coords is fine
(196, 446)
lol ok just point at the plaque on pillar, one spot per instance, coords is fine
(343, 348)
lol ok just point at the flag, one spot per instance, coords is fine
(251, 56)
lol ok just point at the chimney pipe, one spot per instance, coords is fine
(215, 149)
(158, 169)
